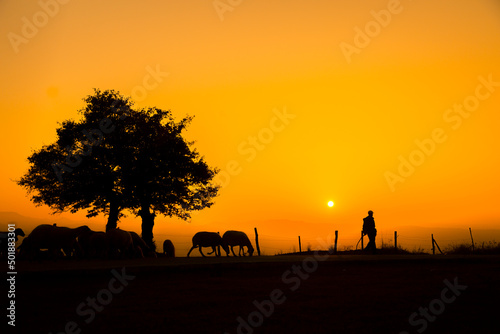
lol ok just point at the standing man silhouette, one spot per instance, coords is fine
(370, 230)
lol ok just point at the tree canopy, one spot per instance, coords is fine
(119, 158)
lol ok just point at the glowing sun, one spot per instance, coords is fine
(330, 204)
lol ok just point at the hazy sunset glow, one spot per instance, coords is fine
(390, 106)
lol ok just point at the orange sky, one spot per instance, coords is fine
(352, 115)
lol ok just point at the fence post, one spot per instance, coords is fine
(300, 246)
(439, 249)
(433, 246)
(396, 239)
(470, 230)
(336, 239)
(257, 241)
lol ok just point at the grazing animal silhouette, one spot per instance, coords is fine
(237, 238)
(84, 242)
(208, 239)
(120, 243)
(168, 248)
(17, 232)
(94, 244)
(140, 246)
(53, 238)
(4, 236)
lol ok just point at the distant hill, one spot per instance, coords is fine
(29, 223)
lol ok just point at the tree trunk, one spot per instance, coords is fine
(148, 221)
(114, 211)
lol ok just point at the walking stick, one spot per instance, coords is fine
(362, 236)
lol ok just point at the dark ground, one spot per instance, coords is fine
(345, 294)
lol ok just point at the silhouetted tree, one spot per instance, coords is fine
(166, 175)
(119, 158)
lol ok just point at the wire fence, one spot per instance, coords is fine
(279, 244)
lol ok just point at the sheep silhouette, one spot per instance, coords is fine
(168, 248)
(94, 244)
(238, 238)
(121, 244)
(17, 232)
(141, 249)
(53, 238)
(208, 239)
(4, 236)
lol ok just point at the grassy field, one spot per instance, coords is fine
(275, 294)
